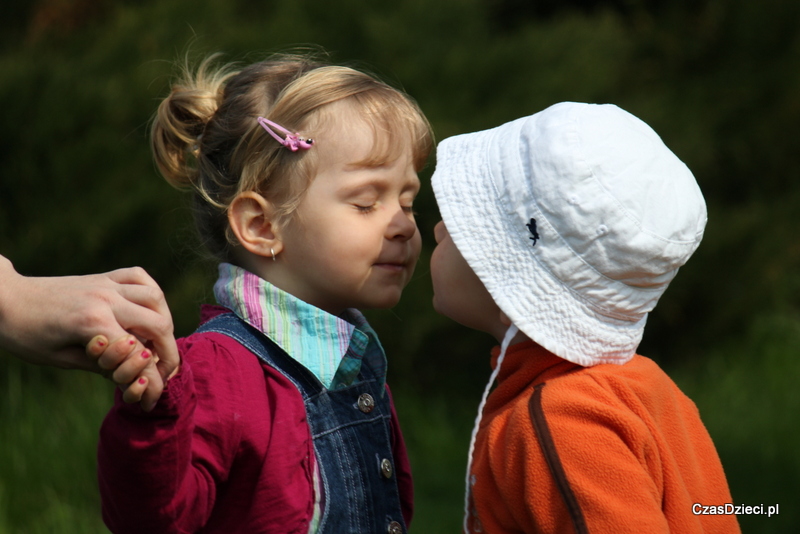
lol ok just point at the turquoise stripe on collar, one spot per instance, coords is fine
(331, 347)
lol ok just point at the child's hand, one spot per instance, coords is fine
(130, 365)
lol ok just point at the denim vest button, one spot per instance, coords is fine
(386, 468)
(366, 403)
(394, 528)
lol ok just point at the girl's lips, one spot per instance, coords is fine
(394, 267)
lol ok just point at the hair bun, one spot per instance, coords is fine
(181, 119)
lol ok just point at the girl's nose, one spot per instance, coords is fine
(402, 226)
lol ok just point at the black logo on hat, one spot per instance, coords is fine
(532, 227)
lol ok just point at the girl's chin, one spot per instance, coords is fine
(383, 303)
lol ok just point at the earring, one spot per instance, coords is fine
(272, 251)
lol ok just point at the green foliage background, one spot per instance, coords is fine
(718, 79)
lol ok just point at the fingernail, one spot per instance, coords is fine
(132, 341)
(145, 354)
(143, 380)
(100, 343)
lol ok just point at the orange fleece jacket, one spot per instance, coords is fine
(634, 452)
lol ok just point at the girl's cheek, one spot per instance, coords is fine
(417, 249)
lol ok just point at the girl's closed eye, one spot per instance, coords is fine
(364, 203)
(365, 208)
(407, 203)
(368, 208)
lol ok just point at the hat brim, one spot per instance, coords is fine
(537, 302)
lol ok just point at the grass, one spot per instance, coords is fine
(47, 454)
(746, 394)
(437, 436)
(749, 400)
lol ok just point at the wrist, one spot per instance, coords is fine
(9, 278)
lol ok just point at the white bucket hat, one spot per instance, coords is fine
(575, 219)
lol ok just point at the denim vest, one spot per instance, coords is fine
(351, 431)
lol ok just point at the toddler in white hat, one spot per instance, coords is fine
(559, 233)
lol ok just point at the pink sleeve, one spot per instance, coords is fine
(402, 466)
(159, 471)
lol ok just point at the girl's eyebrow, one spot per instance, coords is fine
(375, 183)
(359, 187)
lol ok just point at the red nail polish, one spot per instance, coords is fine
(131, 341)
(145, 354)
(143, 380)
(101, 344)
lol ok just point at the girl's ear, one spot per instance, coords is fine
(251, 218)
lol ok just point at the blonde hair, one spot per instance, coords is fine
(205, 135)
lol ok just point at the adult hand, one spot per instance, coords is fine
(49, 320)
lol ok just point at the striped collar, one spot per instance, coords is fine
(331, 347)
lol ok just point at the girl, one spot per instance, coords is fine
(278, 418)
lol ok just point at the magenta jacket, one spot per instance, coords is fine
(227, 449)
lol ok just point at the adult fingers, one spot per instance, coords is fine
(132, 275)
(151, 297)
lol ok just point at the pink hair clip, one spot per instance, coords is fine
(292, 140)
